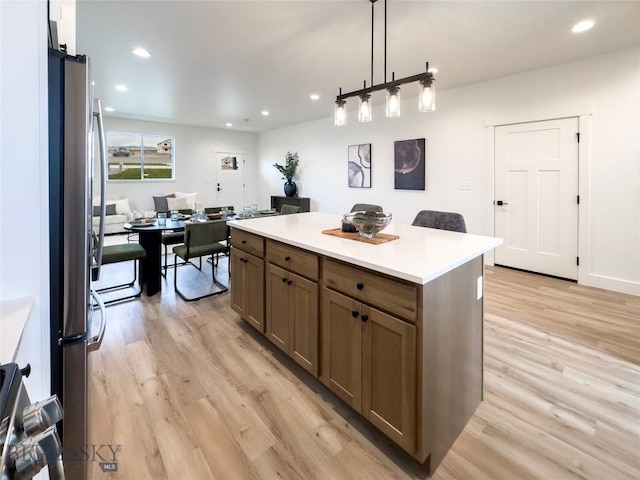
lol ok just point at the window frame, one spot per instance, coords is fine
(114, 146)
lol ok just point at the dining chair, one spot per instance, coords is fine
(453, 222)
(287, 209)
(201, 239)
(364, 207)
(125, 252)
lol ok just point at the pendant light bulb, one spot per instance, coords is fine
(364, 112)
(427, 96)
(393, 102)
(340, 114)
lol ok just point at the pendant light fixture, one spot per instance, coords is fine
(426, 92)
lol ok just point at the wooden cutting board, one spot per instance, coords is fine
(377, 240)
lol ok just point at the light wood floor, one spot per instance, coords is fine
(191, 392)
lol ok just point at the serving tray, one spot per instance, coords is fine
(377, 240)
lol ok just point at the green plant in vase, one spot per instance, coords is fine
(288, 171)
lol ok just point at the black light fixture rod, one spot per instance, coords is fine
(385, 42)
(383, 86)
(372, 41)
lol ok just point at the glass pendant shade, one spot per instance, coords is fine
(364, 111)
(427, 96)
(340, 114)
(393, 102)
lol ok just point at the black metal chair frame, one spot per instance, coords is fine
(187, 260)
(136, 260)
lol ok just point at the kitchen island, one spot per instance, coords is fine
(395, 329)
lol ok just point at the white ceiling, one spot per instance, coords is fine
(225, 61)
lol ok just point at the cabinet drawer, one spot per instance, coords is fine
(248, 242)
(393, 296)
(294, 259)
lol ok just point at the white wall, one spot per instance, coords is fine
(24, 241)
(604, 89)
(195, 172)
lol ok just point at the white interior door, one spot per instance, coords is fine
(230, 179)
(536, 196)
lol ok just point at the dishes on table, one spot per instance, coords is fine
(214, 216)
(271, 211)
(143, 223)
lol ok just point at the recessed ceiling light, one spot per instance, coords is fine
(108, 109)
(583, 26)
(314, 96)
(265, 112)
(229, 124)
(433, 70)
(121, 88)
(141, 52)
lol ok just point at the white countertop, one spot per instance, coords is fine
(13, 317)
(419, 255)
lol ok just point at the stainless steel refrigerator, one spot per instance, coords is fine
(74, 120)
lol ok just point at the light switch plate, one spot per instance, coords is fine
(479, 288)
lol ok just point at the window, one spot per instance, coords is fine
(138, 156)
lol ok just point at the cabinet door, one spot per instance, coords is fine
(341, 347)
(238, 286)
(303, 326)
(254, 293)
(278, 306)
(388, 376)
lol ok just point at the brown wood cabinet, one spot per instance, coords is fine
(369, 360)
(247, 278)
(292, 315)
(406, 356)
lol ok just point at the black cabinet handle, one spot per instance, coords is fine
(286, 259)
(289, 282)
(26, 371)
(359, 286)
(364, 317)
(284, 280)
(354, 314)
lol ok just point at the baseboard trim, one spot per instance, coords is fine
(610, 283)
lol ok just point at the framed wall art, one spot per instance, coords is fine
(409, 164)
(359, 165)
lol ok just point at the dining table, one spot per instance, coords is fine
(150, 238)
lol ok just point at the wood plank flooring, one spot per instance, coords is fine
(191, 392)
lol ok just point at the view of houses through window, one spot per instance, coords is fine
(138, 156)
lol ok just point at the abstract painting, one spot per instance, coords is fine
(409, 158)
(360, 165)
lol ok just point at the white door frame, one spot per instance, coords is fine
(216, 174)
(583, 113)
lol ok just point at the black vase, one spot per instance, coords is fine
(290, 189)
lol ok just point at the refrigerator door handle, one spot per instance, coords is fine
(95, 341)
(97, 116)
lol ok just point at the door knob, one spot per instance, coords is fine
(500, 202)
(364, 317)
(289, 282)
(354, 314)
(359, 286)
(284, 280)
